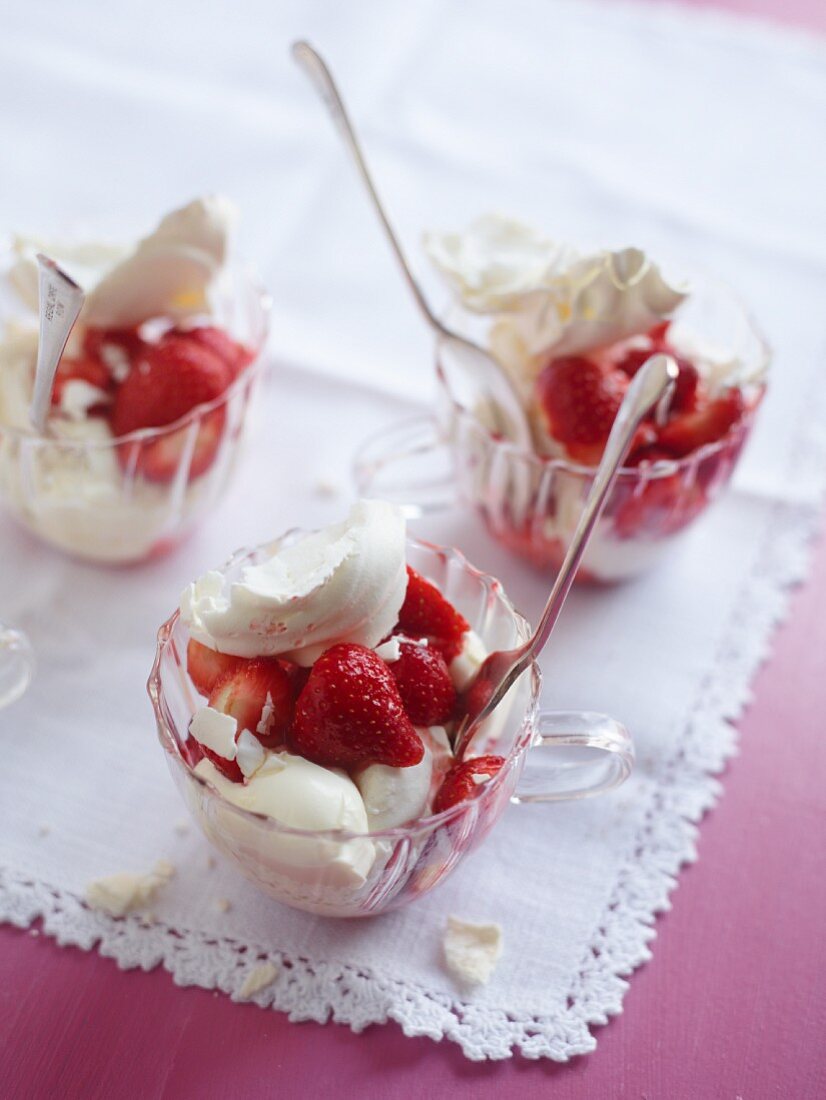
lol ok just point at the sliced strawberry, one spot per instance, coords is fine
(259, 693)
(687, 388)
(194, 752)
(85, 370)
(166, 382)
(235, 355)
(579, 399)
(459, 784)
(424, 684)
(207, 667)
(159, 459)
(99, 342)
(708, 423)
(350, 713)
(426, 613)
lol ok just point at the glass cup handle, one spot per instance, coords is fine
(409, 464)
(575, 754)
(16, 664)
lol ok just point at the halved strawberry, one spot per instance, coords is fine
(207, 667)
(194, 752)
(459, 784)
(707, 424)
(159, 459)
(579, 399)
(166, 382)
(350, 713)
(426, 613)
(424, 684)
(258, 694)
(87, 369)
(235, 355)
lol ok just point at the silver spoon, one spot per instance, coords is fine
(500, 669)
(470, 359)
(61, 300)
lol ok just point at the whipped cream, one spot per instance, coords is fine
(301, 795)
(345, 583)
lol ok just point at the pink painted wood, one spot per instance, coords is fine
(732, 1005)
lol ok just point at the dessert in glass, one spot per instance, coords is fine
(305, 696)
(151, 395)
(570, 330)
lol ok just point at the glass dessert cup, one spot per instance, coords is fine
(337, 873)
(90, 498)
(531, 503)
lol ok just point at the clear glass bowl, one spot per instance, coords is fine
(91, 498)
(338, 873)
(531, 503)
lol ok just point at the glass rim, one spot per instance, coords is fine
(651, 471)
(523, 741)
(197, 412)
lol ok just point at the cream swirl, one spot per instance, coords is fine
(345, 583)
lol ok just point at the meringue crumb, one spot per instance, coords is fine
(471, 950)
(327, 487)
(34, 931)
(44, 830)
(119, 894)
(223, 905)
(181, 826)
(257, 979)
(211, 862)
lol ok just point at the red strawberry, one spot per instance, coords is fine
(86, 370)
(206, 667)
(708, 423)
(459, 785)
(165, 383)
(426, 613)
(580, 399)
(194, 752)
(159, 459)
(633, 359)
(424, 684)
(123, 344)
(235, 355)
(257, 685)
(350, 713)
(687, 392)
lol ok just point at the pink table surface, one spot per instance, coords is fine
(733, 1004)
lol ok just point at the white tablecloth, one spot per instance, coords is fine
(695, 136)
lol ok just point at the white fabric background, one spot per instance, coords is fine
(696, 136)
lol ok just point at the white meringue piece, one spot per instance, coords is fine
(345, 583)
(216, 731)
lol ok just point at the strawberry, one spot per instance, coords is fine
(159, 459)
(206, 667)
(103, 343)
(687, 389)
(580, 399)
(426, 613)
(165, 383)
(86, 369)
(259, 688)
(424, 684)
(459, 785)
(350, 713)
(194, 752)
(236, 356)
(708, 423)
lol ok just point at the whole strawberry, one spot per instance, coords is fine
(424, 684)
(465, 780)
(350, 713)
(427, 614)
